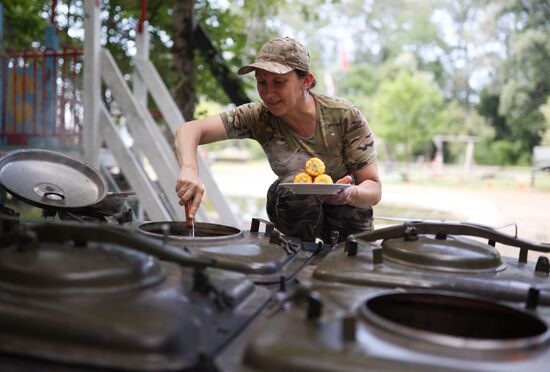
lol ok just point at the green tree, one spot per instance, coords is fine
(237, 31)
(512, 102)
(361, 79)
(464, 121)
(545, 109)
(461, 58)
(407, 112)
(24, 22)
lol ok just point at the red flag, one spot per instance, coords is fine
(344, 61)
(329, 83)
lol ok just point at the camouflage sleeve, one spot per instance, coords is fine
(359, 149)
(241, 121)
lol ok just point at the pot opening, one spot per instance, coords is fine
(458, 316)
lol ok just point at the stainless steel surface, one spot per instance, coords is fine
(49, 179)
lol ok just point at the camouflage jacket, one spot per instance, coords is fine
(342, 138)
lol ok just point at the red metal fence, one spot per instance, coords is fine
(41, 99)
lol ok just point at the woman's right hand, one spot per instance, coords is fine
(188, 137)
(190, 190)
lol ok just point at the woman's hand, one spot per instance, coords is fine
(343, 196)
(366, 192)
(188, 136)
(190, 190)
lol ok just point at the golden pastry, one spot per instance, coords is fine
(315, 167)
(303, 178)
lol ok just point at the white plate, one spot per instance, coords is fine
(315, 188)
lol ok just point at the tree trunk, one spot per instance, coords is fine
(183, 56)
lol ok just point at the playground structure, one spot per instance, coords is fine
(470, 141)
(44, 107)
(40, 101)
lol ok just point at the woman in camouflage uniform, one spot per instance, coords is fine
(293, 124)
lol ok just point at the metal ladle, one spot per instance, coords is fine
(189, 222)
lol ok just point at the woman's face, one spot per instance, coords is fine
(279, 92)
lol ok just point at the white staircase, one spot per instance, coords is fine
(156, 194)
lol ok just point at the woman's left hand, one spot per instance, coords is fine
(343, 196)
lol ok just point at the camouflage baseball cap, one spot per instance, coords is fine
(279, 55)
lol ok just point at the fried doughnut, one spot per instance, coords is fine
(323, 178)
(315, 167)
(303, 177)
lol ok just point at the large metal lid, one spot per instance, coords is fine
(40, 268)
(48, 179)
(451, 254)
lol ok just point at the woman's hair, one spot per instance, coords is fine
(303, 74)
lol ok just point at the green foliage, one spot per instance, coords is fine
(463, 121)
(500, 152)
(362, 79)
(118, 28)
(488, 108)
(24, 22)
(530, 13)
(468, 122)
(396, 26)
(545, 110)
(206, 108)
(515, 109)
(236, 31)
(407, 113)
(527, 88)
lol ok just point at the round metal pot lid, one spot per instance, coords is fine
(177, 230)
(452, 254)
(68, 269)
(48, 179)
(455, 320)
